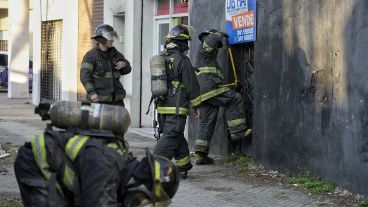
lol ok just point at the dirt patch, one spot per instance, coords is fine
(258, 176)
(10, 200)
(218, 189)
(10, 149)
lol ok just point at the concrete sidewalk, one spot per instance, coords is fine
(207, 186)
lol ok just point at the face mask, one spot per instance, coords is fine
(183, 47)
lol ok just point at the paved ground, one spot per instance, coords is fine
(210, 186)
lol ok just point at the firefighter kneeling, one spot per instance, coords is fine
(86, 162)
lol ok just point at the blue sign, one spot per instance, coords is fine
(241, 21)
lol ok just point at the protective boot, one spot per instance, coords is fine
(203, 159)
(235, 147)
(184, 170)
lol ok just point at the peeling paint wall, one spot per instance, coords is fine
(311, 87)
(311, 95)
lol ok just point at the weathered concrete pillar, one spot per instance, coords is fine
(18, 49)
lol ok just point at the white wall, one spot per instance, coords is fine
(36, 25)
(132, 51)
(148, 48)
(66, 10)
(18, 49)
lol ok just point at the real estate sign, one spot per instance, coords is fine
(241, 21)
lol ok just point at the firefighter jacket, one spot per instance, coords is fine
(61, 154)
(183, 88)
(209, 75)
(99, 76)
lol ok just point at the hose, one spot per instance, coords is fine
(236, 81)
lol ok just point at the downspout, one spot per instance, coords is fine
(141, 68)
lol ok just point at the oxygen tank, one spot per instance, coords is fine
(65, 114)
(158, 76)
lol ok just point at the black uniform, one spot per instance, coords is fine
(174, 108)
(99, 76)
(62, 169)
(213, 96)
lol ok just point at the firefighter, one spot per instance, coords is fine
(215, 95)
(90, 167)
(173, 109)
(102, 68)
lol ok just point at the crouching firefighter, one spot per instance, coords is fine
(174, 89)
(214, 94)
(81, 159)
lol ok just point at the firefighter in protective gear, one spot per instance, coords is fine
(102, 67)
(213, 95)
(76, 167)
(173, 109)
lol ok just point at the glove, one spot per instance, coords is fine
(238, 87)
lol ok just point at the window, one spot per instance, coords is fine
(51, 44)
(169, 13)
(181, 6)
(163, 28)
(163, 7)
(171, 8)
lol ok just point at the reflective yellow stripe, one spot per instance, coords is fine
(69, 178)
(74, 145)
(115, 147)
(201, 142)
(171, 61)
(241, 134)
(196, 101)
(105, 98)
(206, 47)
(214, 93)
(157, 179)
(212, 70)
(172, 110)
(208, 95)
(108, 75)
(236, 122)
(39, 153)
(182, 162)
(176, 83)
(184, 35)
(88, 66)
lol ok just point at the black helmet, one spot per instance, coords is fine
(106, 31)
(212, 31)
(179, 32)
(165, 177)
(211, 43)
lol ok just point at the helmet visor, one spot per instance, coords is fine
(157, 198)
(161, 198)
(110, 35)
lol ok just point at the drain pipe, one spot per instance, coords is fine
(141, 73)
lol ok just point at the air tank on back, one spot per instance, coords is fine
(158, 76)
(65, 114)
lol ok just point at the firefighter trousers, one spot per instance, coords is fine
(172, 143)
(234, 114)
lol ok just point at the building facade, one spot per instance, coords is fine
(310, 88)
(305, 75)
(141, 27)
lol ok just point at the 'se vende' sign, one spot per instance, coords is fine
(241, 20)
